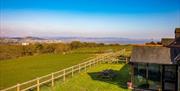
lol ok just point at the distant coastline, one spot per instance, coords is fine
(106, 40)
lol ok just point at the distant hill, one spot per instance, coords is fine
(28, 37)
(107, 40)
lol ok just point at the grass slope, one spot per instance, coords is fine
(22, 69)
(90, 82)
(27, 68)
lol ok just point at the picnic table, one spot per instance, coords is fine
(107, 74)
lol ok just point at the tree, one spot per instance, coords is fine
(75, 44)
(39, 48)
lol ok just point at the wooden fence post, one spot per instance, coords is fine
(102, 60)
(64, 75)
(126, 60)
(90, 64)
(98, 61)
(72, 70)
(38, 85)
(79, 68)
(18, 87)
(94, 63)
(85, 66)
(52, 79)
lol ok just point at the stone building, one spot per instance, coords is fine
(157, 67)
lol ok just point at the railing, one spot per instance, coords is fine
(62, 74)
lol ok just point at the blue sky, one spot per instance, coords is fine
(140, 19)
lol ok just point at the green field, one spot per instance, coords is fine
(90, 82)
(22, 69)
(27, 68)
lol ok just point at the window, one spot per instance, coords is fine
(147, 76)
(140, 76)
(154, 76)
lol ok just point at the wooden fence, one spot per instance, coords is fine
(62, 74)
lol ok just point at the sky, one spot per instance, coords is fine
(138, 19)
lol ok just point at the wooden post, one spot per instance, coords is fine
(38, 85)
(126, 60)
(104, 58)
(93, 63)
(72, 70)
(124, 51)
(52, 79)
(98, 60)
(90, 64)
(85, 66)
(64, 75)
(18, 87)
(79, 68)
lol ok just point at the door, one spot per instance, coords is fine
(169, 78)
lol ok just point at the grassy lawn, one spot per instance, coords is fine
(22, 69)
(91, 82)
(27, 68)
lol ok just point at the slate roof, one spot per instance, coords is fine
(169, 53)
(166, 41)
(151, 54)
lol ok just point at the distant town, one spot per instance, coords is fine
(107, 40)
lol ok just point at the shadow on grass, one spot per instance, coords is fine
(121, 79)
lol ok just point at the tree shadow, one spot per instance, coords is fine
(121, 79)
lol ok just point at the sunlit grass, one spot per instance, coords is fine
(90, 82)
(22, 69)
(27, 68)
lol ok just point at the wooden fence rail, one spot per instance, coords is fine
(62, 74)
